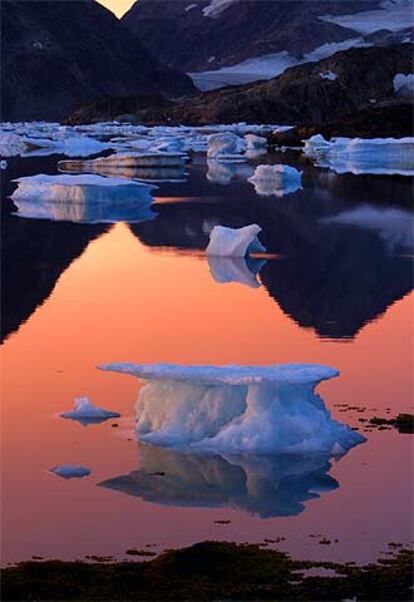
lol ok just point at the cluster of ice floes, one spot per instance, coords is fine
(276, 180)
(363, 156)
(237, 408)
(234, 242)
(70, 471)
(83, 198)
(86, 412)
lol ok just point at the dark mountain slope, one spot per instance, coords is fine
(196, 39)
(57, 53)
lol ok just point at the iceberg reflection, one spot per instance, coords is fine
(265, 485)
(243, 270)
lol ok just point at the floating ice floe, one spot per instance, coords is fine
(80, 188)
(226, 146)
(126, 166)
(267, 485)
(243, 270)
(237, 408)
(85, 412)
(11, 145)
(277, 180)
(363, 156)
(404, 84)
(70, 471)
(234, 242)
(3, 164)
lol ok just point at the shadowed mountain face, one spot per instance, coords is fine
(332, 277)
(55, 54)
(190, 36)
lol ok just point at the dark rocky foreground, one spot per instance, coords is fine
(55, 54)
(211, 571)
(361, 96)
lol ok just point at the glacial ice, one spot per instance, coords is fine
(234, 242)
(236, 269)
(70, 471)
(81, 189)
(277, 180)
(86, 413)
(255, 142)
(267, 485)
(225, 146)
(11, 145)
(237, 408)
(404, 84)
(363, 156)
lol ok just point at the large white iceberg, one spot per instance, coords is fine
(363, 156)
(234, 242)
(277, 180)
(70, 471)
(237, 408)
(268, 485)
(81, 189)
(225, 146)
(87, 413)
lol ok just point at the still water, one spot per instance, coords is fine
(332, 290)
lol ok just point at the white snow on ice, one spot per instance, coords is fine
(234, 242)
(237, 408)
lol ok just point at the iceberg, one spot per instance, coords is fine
(404, 84)
(277, 180)
(234, 242)
(11, 145)
(81, 189)
(254, 142)
(86, 413)
(237, 409)
(225, 146)
(243, 270)
(267, 485)
(70, 471)
(389, 156)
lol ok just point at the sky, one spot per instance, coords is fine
(119, 7)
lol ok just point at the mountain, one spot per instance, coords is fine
(56, 53)
(226, 42)
(354, 85)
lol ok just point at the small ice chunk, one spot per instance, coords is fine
(85, 412)
(404, 84)
(255, 142)
(11, 145)
(3, 164)
(276, 180)
(70, 471)
(234, 242)
(224, 145)
(330, 75)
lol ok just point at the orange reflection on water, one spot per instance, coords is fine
(121, 301)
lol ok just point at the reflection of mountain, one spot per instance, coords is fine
(35, 253)
(267, 485)
(332, 277)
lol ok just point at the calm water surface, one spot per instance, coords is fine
(77, 295)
